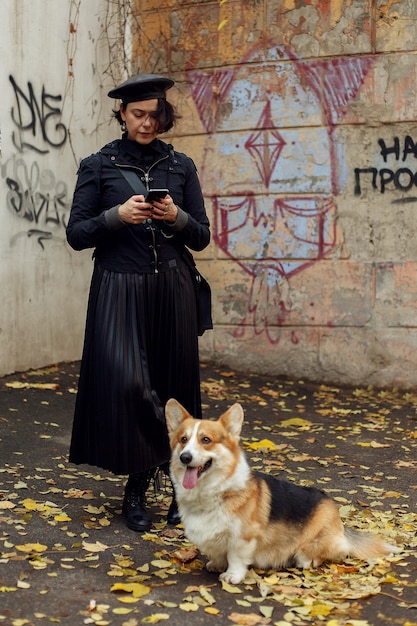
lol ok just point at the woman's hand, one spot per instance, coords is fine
(164, 209)
(135, 210)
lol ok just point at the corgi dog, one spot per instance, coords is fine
(238, 518)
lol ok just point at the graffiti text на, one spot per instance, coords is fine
(409, 148)
(38, 122)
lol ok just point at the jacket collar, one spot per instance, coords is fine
(129, 151)
(156, 148)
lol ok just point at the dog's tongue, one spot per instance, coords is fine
(190, 478)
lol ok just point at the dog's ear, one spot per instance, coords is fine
(232, 420)
(175, 414)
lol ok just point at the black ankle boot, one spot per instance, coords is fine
(134, 502)
(173, 516)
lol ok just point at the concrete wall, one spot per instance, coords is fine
(302, 119)
(54, 58)
(301, 116)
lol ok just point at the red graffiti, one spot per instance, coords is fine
(288, 223)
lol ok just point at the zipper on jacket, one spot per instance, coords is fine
(146, 173)
(153, 246)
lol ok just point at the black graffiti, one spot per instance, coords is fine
(409, 147)
(37, 198)
(38, 123)
(401, 178)
(39, 235)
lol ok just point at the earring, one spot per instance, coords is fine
(123, 126)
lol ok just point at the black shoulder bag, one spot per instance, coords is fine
(202, 292)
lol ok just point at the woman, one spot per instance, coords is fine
(141, 337)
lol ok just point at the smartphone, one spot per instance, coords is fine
(154, 195)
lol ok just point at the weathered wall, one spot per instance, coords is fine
(54, 57)
(302, 118)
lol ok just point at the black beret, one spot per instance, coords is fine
(142, 87)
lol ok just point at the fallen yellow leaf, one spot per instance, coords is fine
(63, 517)
(266, 611)
(320, 609)
(189, 606)
(230, 588)
(297, 422)
(155, 618)
(19, 385)
(94, 547)
(246, 619)
(161, 563)
(207, 595)
(143, 568)
(261, 445)
(136, 589)
(30, 504)
(31, 547)
(6, 504)
(22, 584)
(95, 510)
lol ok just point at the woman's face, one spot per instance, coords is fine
(140, 120)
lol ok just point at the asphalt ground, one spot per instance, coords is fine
(66, 556)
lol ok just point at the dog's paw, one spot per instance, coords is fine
(216, 566)
(233, 577)
(305, 562)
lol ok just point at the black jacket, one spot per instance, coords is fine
(101, 188)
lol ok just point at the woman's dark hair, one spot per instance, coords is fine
(165, 115)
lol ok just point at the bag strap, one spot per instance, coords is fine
(134, 181)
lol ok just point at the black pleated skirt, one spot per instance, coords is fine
(141, 337)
